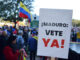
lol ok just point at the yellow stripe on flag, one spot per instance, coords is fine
(35, 37)
(24, 7)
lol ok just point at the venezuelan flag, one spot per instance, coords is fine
(24, 12)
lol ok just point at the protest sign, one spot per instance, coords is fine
(54, 32)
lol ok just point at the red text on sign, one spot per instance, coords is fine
(54, 43)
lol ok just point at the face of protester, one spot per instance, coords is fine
(14, 41)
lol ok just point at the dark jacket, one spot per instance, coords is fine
(2, 45)
(25, 36)
(32, 44)
(72, 56)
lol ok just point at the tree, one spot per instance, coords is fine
(9, 9)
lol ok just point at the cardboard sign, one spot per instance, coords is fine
(54, 32)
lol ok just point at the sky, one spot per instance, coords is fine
(59, 4)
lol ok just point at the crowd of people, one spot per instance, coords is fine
(15, 41)
(75, 34)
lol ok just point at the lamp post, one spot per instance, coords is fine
(16, 4)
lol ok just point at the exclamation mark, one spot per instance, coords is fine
(62, 43)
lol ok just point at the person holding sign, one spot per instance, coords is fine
(33, 45)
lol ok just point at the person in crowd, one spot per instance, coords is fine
(11, 30)
(4, 35)
(0, 30)
(8, 31)
(78, 36)
(10, 51)
(2, 45)
(29, 32)
(20, 40)
(75, 34)
(33, 45)
(25, 36)
(15, 31)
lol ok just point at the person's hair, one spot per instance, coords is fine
(11, 39)
(9, 43)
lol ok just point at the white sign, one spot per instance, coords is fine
(54, 32)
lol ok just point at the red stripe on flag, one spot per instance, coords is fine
(23, 15)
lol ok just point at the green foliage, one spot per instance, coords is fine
(8, 8)
(76, 22)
